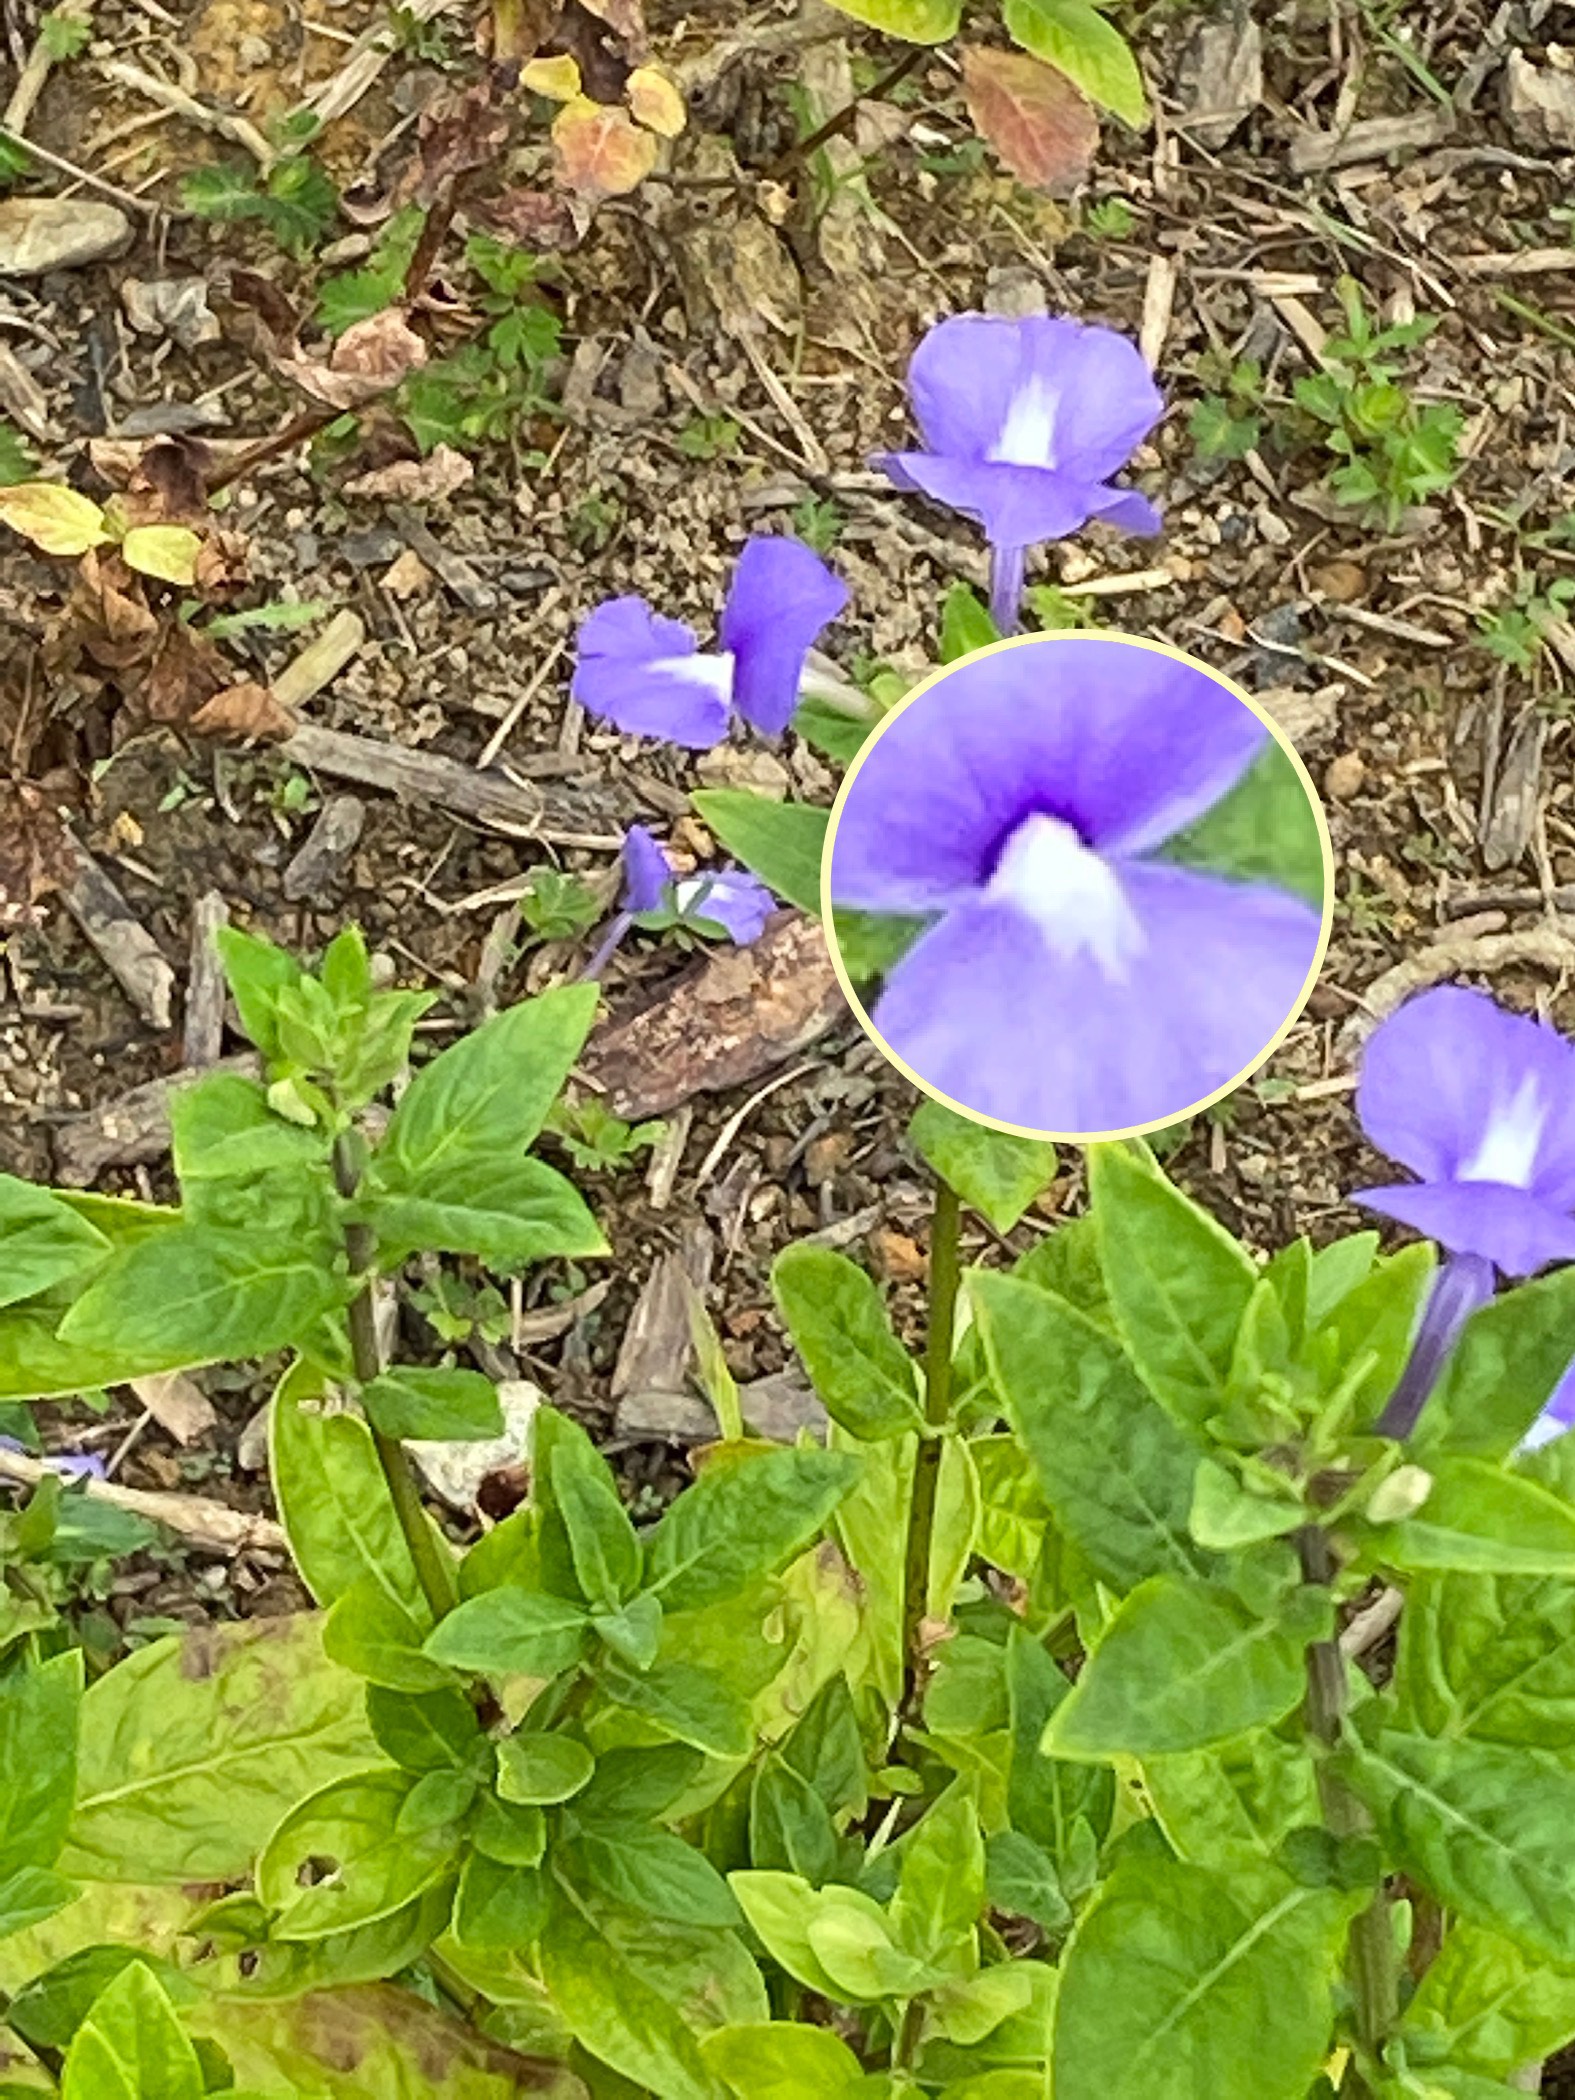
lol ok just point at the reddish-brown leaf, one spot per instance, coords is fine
(244, 710)
(1032, 115)
(539, 220)
(186, 671)
(36, 854)
(368, 360)
(601, 151)
(458, 132)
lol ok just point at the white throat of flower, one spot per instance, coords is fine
(1028, 434)
(1073, 896)
(712, 669)
(1508, 1148)
(693, 888)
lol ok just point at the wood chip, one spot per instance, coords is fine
(1517, 796)
(321, 661)
(195, 1517)
(736, 1016)
(178, 1404)
(567, 818)
(451, 569)
(203, 1040)
(327, 847)
(1159, 299)
(658, 1343)
(1550, 946)
(131, 1131)
(1374, 138)
(123, 944)
(22, 398)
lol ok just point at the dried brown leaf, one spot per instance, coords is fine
(1032, 115)
(244, 710)
(601, 151)
(540, 220)
(368, 360)
(186, 671)
(625, 19)
(459, 132)
(426, 480)
(36, 853)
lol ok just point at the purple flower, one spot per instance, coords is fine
(648, 675)
(70, 1465)
(1024, 422)
(646, 871)
(1072, 982)
(733, 899)
(1480, 1104)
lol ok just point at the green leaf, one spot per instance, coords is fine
(834, 1940)
(373, 1635)
(222, 1128)
(1198, 1985)
(428, 1731)
(653, 1871)
(1116, 1470)
(832, 733)
(781, 842)
(1488, 2005)
(1265, 830)
(335, 1501)
(509, 1212)
(499, 1905)
(193, 1747)
(781, 2060)
(966, 624)
(1483, 1828)
(1479, 1519)
(131, 2046)
(42, 1241)
(1234, 1803)
(1376, 1319)
(1076, 39)
(915, 21)
(200, 1296)
(872, 943)
(1180, 1666)
(1488, 1656)
(607, 1560)
(1047, 1798)
(688, 1702)
(998, 1174)
(539, 1769)
(844, 1335)
(340, 1859)
(745, 1517)
(258, 971)
(30, 1895)
(1178, 1283)
(39, 1706)
(487, 1096)
(940, 1891)
(48, 2011)
(509, 1632)
(616, 2015)
(634, 1631)
(411, 1401)
(1502, 1371)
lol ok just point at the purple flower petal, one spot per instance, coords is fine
(644, 674)
(1459, 1089)
(1015, 506)
(646, 871)
(1103, 1021)
(1513, 1229)
(1460, 1288)
(1556, 1417)
(781, 596)
(733, 899)
(1124, 744)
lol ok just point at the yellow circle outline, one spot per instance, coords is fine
(1040, 641)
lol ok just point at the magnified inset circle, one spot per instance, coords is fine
(1077, 885)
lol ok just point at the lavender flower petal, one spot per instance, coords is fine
(1162, 990)
(1460, 1288)
(1509, 1227)
(646, 871)
(645, 675)
(781, 596)
(1556, 1417)
(733, 899)
(1124, 744)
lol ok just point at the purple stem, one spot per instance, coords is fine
(617, 927)
(1008, 566)
(1463, 1284)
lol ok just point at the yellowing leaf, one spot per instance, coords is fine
(556, 78)
(166, 551)
(655, 101)
(601, 151)
(54, 518)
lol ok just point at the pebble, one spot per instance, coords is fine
(1344, 776)
(1343, 581)
(58, 233)
(899, 1259)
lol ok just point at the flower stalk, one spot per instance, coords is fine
(945, 1243)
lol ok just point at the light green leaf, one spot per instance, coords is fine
(1180, 1666)
(1021, 1880)
(602, 1542)
(1374, 1319)
(31, 1895)
(966, 624)
(1264, 830)
(687, 1702)
(538, 1769)
(375, 1867)
(780, 1909)
(509, 1212)
(39, 1706)
(1076, 39)
(1483, 1828)
(488, 1095)
(372, 1634)
(131, 2046)
(508, 1632)
(781, 2060)
(1178, 1283)
(747, 1516)
(1048, 1799)
(42, 1240)
(1489, 2005)
(1479, 1519)
(940, 1891)
(1488, 1656)
(998, 1174)
(915, 21)
(499, 1905)
(221, 1128)
(193, 1747)
(1013, 1512)
(335, 1501)
(1116, 1471)
(781, 842)
(844, 1335)
(1199, 1986)
(166, 551)
(651, 1870)
(258, 971)
(1233, 1803)
(1502, 1371)
(414, 1401)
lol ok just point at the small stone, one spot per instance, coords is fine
(1345, 776)
(1538, 103)
(172, 306)
(1343, 581)
(407, 575)
(1272, 528)
(825, 1155)
(742, 766)
(899, 1259)
(58, 233)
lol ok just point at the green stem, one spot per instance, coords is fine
(945, 1234)
(906, 2045)
(1371, 1965)
(433, 1571)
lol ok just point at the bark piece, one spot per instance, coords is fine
(483, 794)
(1374, 138)
(177, 1403)
(328, 845)
(738, 1015)
(203, 1041)
(1222, 75)
(657, 1343)
(124, 945)
(132, 1131)
(1512, 816)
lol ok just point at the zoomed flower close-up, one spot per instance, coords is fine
(1024, 422)
(1085, 966)
(647, 674)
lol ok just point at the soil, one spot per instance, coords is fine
(726, 287)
